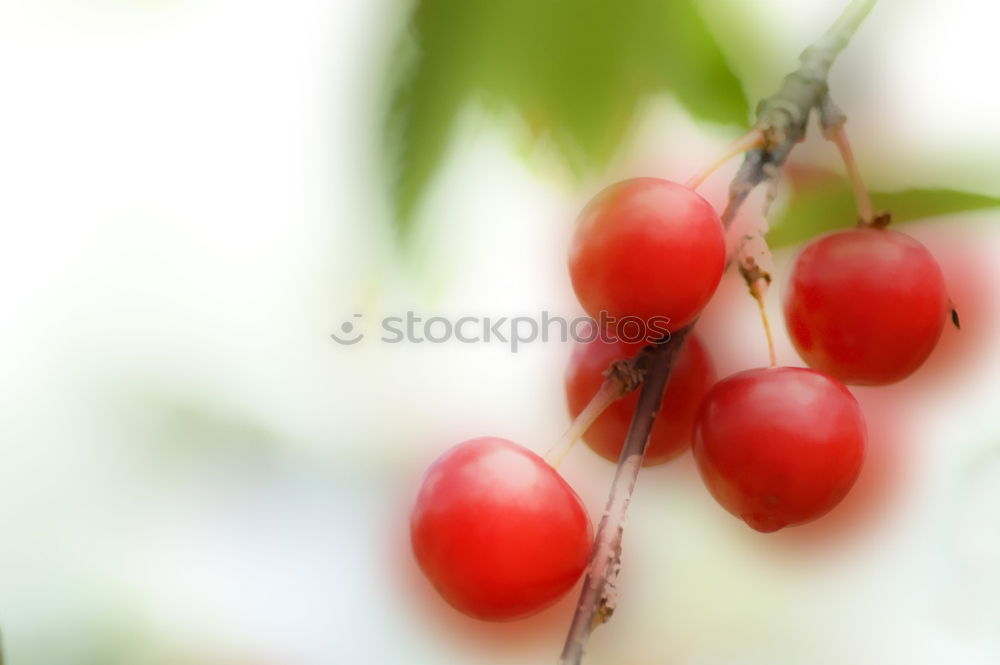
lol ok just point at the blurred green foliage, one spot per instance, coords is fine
(187, 426)
(574, 71)
(824, 202)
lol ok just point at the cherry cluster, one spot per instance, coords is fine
(502, 535)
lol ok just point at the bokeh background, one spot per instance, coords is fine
(194, 194)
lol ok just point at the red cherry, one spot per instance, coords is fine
(866, 306)
(650, 249)
(497, 531)
(779, 446)
(690, 379)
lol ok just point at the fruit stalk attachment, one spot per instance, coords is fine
(621, 378)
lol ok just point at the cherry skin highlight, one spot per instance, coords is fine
(779, 446)
(497, 531)
(865, 306)
(649, 249)
(690, 379)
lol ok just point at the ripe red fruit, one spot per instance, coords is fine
(779, 446)
(866, 306)
(497, 531)
(690, 379)
(647, 248)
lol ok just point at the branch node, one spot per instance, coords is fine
(831, 118)
(751, 271)
(629, 373)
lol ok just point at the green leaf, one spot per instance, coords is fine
(695, 70)
(574, 72)
(431, 82)
(824, 203)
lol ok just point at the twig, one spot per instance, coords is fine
(782, 118)
(597, 599)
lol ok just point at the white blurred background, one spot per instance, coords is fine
(192, 471)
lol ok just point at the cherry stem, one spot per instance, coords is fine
(621, 378)
(609, 392)
(862, 199)
(757, 290)
(752, 139)
(758, 280)
(782, 119)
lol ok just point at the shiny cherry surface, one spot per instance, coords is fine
(497, 531)
(779, 446)
(647, 248)
(865, 306)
